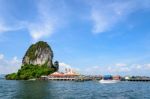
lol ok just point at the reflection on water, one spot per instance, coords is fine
(32, 90)
(73, 90)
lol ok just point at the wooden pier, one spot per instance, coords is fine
(67, 78)
(61, 78)
(90, 78)
(139, 80)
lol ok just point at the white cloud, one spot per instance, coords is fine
(106, 14)
(50, 18)
(121, 64)
(37, 32)
(128, 69)
(1, 56)
(3, 28)
(7, 28)
(51, 15)
(9, 66)
(132, 69)
(117, 70)
(63, 66)
(93, 70)
(137, 66)
(147, 66)
(44, 27)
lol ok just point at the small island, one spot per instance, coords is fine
(37, 61)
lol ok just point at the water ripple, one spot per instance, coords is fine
(73, 90)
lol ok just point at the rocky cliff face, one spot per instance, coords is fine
(38, 61)
(39, 54)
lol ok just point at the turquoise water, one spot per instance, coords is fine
(73, 90)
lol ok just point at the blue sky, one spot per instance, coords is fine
(92, 37)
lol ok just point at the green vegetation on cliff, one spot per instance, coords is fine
(31, 52)
(30, 71)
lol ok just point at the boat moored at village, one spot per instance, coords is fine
(110, 79)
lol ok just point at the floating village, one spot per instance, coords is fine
(71, 75)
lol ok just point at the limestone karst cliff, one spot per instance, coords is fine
(39, 54)
(37, 61)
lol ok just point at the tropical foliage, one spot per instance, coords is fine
(30, 71)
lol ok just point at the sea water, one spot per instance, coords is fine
(11, 89)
